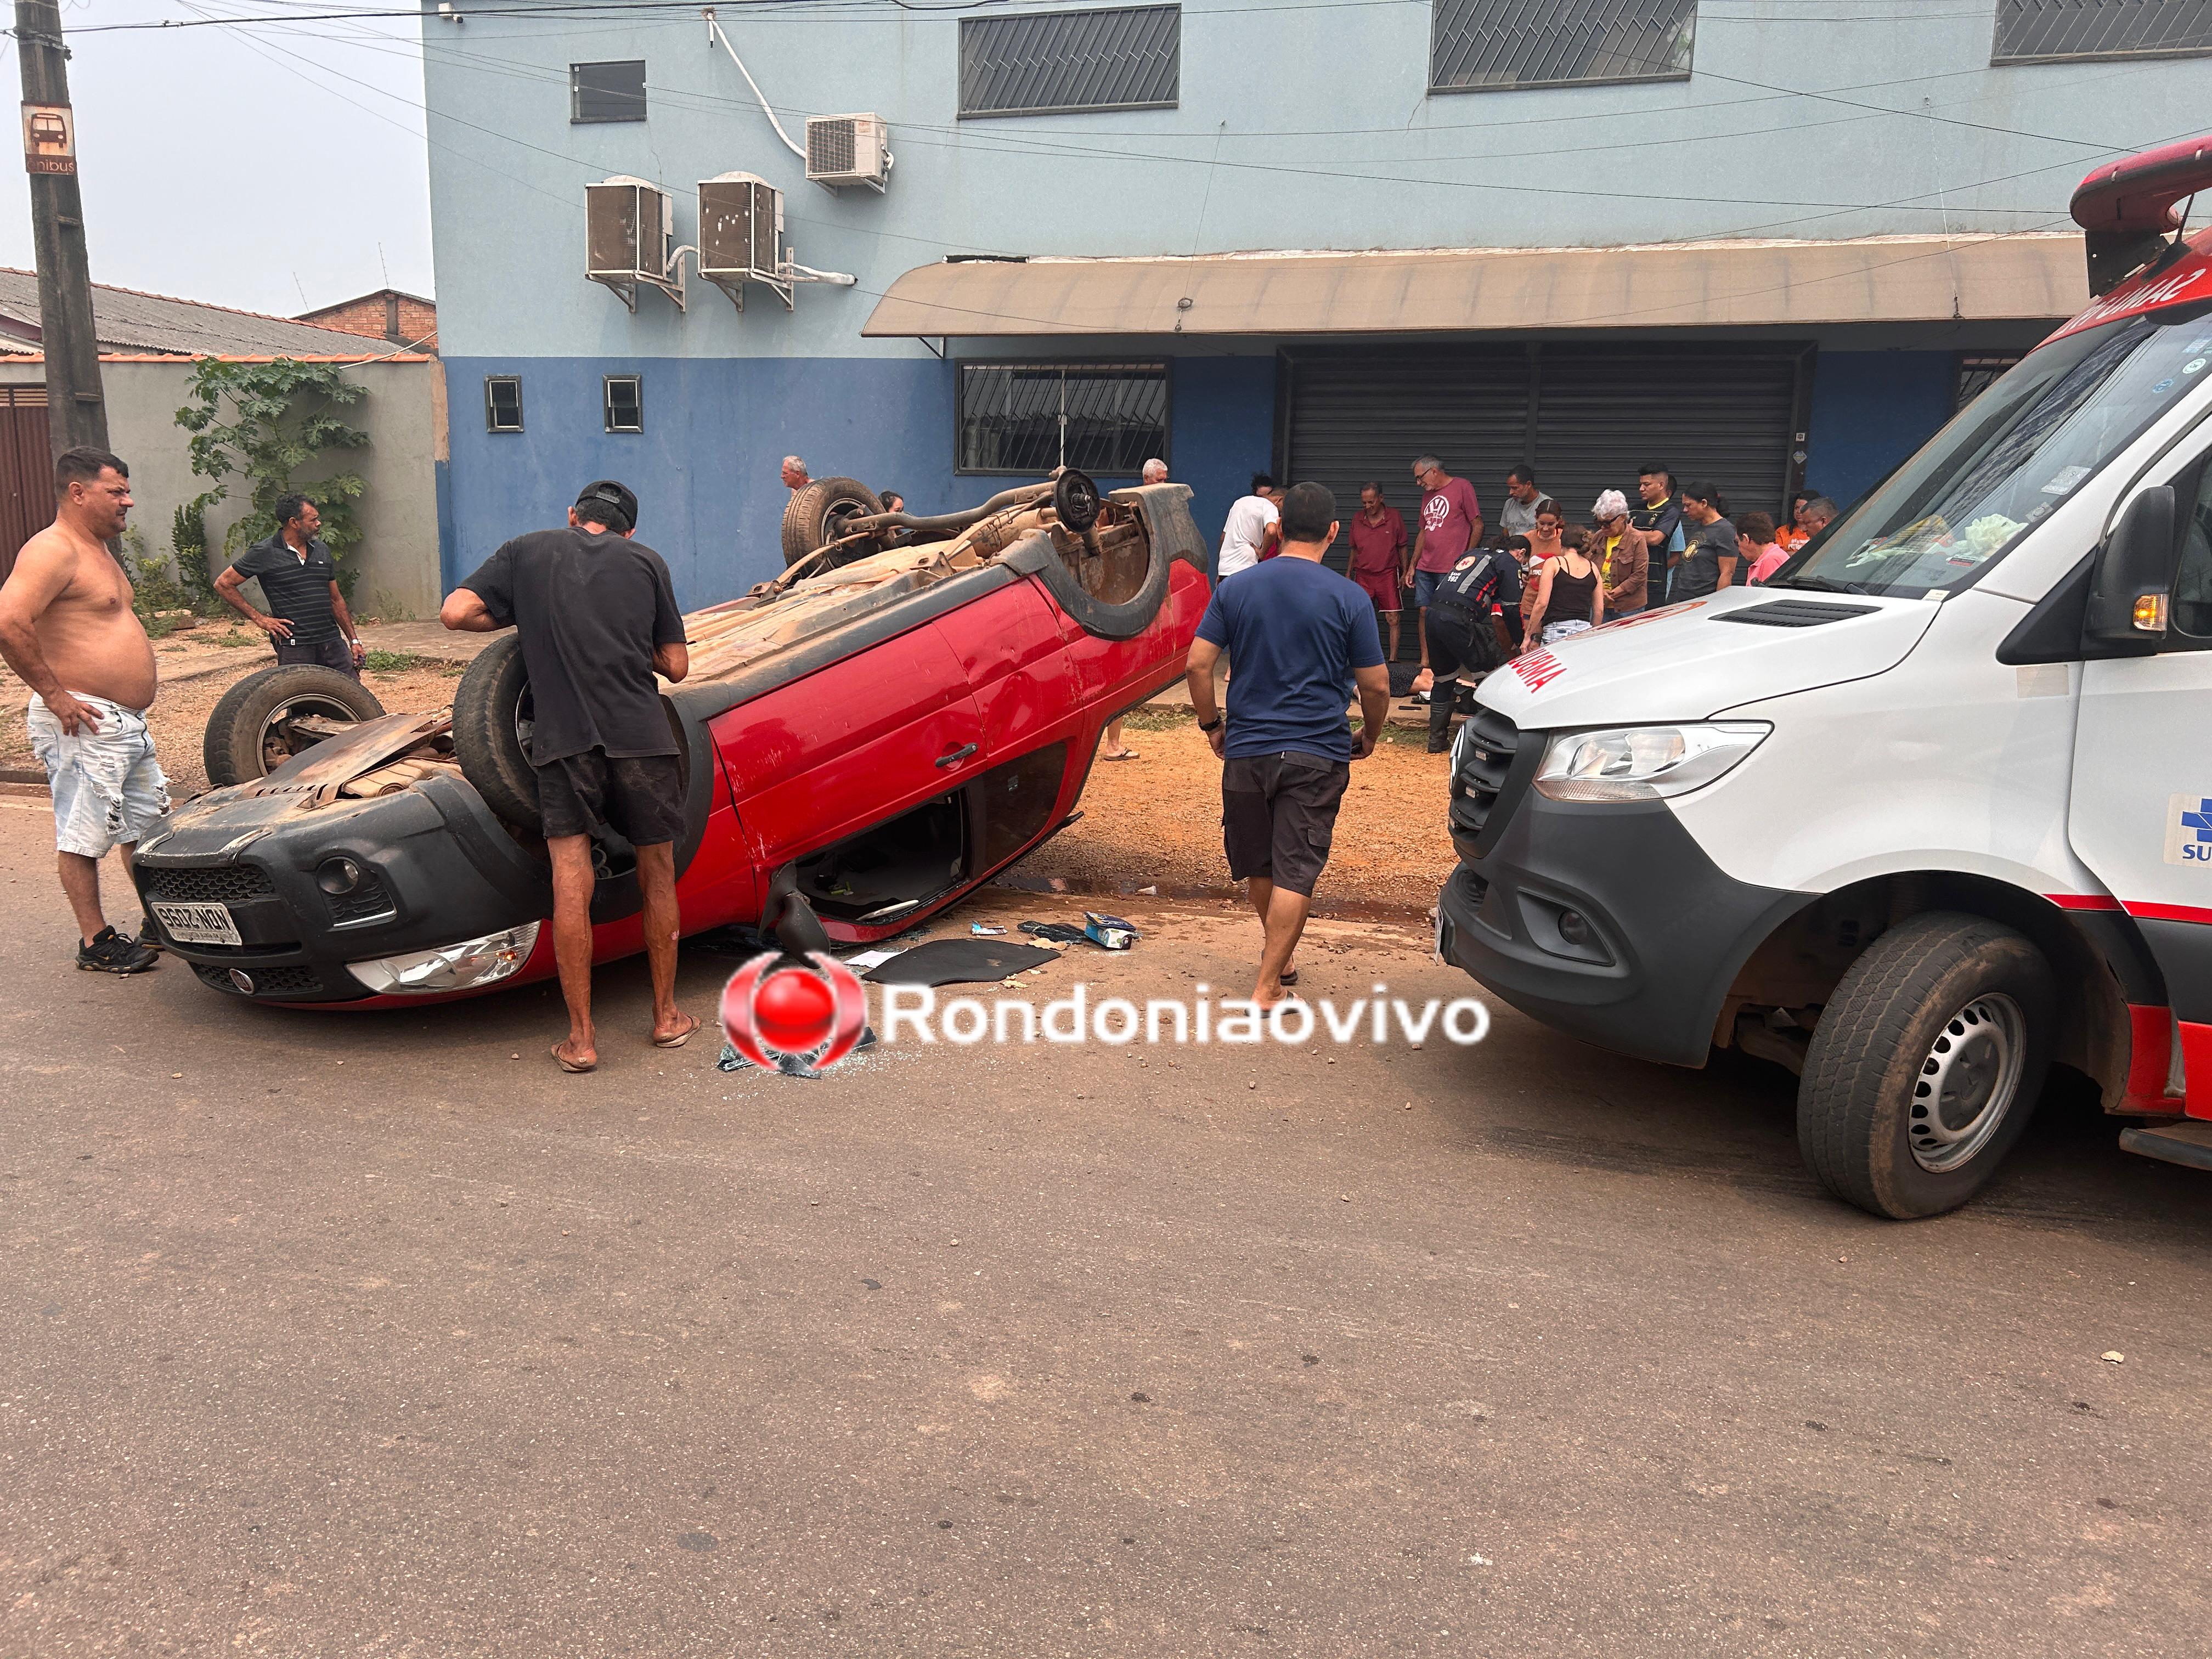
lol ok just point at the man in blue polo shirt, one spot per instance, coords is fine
(1301, 637)
(308, 620)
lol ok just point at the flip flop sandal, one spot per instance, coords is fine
(680, 1038)
(1125, 754)
(567, 1064)
(1287, 978)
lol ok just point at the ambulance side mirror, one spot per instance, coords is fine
(2135, 569)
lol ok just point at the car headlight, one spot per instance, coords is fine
(1644, 762)
(460, 967)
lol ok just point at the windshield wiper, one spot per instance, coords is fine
(1821, 584)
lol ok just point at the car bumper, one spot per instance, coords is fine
(1607, 922)
(437, 868)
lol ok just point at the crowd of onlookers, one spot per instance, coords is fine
(1482, 593)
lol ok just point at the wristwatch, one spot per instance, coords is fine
(1214, 725)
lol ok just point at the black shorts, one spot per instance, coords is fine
(1278, 815)
(1461, 642)
(325, 654)
(640, 797)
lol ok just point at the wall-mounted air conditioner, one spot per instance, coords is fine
(630, 238)
(847, 149)
(741, 235)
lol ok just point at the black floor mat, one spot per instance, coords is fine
(959, 961)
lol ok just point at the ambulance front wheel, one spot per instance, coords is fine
(1926, 1065)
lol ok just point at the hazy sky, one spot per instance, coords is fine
(241, 167)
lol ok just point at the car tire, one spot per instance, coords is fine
(814, 515)
(1925, 1065)
(488, 712)
(242, 741)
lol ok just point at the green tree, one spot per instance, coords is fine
(188, 538)
(262, 423)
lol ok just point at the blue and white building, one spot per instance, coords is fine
(1771, 241)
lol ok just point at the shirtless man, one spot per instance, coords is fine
(66, 626)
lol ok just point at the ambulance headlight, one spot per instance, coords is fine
(1645, 762)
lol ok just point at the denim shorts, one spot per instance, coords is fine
(107, 786)
(1425, 586)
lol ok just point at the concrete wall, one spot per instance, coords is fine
(403, 415)
(1299, 127)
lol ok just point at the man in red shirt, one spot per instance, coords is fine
(1378, 554)
(1451, 522)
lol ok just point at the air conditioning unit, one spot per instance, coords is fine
(741, 235)
(847, 149)
(629, 237)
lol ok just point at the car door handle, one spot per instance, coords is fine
(954, 756)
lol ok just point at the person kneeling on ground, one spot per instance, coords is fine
(1461, 634)
(1301, 636)
(598, 618)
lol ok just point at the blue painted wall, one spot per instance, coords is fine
(1870, 410)
(706, 468)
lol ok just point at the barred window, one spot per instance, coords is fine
(1054, 62)
(2031, 31)
(1106, 418)
(607, 92)
(502, 403)
(1975, 373)
(1495, 45)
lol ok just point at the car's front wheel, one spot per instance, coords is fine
(1925, 1065)
(275, 714)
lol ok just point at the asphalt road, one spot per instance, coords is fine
(338, 1335)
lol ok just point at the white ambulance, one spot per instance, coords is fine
(1932, 810)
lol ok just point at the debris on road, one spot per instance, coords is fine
(2114, 1357)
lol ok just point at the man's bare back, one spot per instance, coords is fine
(69, 603)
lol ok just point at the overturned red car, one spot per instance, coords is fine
(912, 707)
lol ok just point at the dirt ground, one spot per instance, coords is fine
(1151, 822)
(1156, 821)
(194, 674)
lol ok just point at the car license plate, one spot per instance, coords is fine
(198, 924)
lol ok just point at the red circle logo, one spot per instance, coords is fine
(797, 1020)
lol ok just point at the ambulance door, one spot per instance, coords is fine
(2141, 809)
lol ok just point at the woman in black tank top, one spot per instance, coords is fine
(1570, 597)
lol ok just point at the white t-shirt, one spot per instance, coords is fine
(1243, 534)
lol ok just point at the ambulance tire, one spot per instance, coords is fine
(1926, 1065)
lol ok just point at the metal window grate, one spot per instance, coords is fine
(2030, 31)
(625, 403)
(607, 92)
(1488, 46)
(1046, 62)
(502, 403)
(1106, 418)
(1976, 375)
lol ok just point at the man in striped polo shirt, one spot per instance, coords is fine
(308, 619)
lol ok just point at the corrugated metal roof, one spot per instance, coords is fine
(1746, 283)
(127, 320)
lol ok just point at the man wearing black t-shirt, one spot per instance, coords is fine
(308, 619)
(597, 619)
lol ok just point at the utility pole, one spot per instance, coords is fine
(76, 411)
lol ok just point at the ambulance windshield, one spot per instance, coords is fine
(2010, 457)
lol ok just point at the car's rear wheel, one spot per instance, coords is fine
(269, 717)
(821, 511)
(1925, 1065)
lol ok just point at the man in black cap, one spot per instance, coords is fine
(597, 618)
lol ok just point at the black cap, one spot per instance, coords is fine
(604, 501)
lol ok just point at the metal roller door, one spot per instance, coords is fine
(1361, 416)
(1720, 414)
(1585, 415)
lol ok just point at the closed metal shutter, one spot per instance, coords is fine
(1361, 416)
(1709, 413)
(1586, 417)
